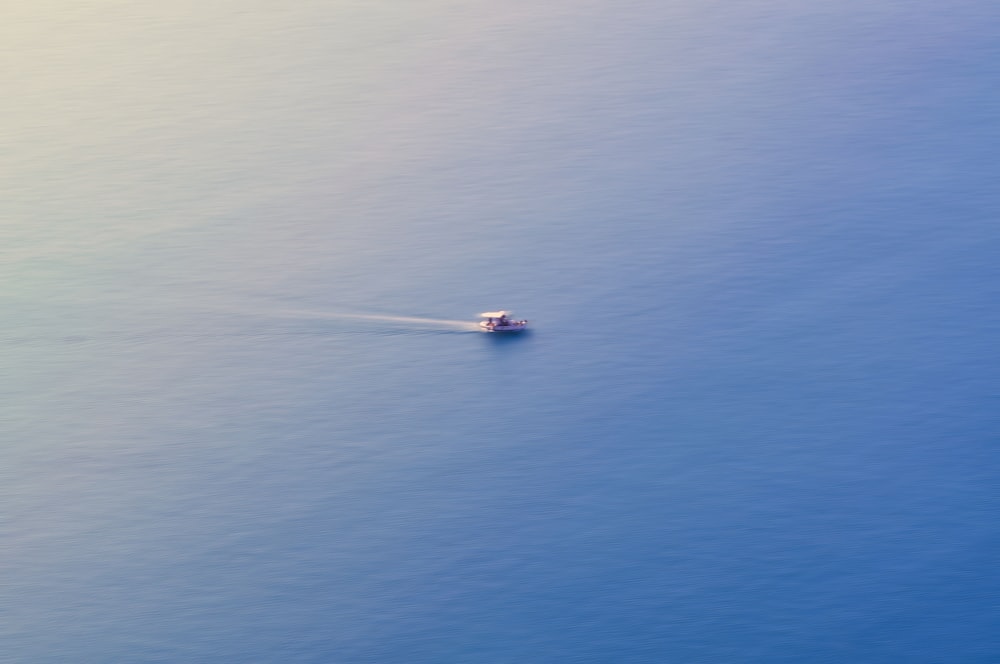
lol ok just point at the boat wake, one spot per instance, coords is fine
(407, 321)
(463, 325)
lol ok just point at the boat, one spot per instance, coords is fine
(500, 321)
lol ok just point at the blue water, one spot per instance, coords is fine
(244, 417)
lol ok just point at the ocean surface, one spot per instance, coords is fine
(245, 415)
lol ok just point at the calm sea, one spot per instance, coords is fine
(244, 416)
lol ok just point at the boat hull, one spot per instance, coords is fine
(514, 326)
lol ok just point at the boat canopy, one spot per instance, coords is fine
(494, 314)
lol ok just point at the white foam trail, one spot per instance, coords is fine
(464, 325)
(444, 322)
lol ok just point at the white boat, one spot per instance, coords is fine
(500, 321)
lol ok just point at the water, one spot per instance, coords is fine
(246, 416)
